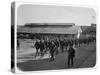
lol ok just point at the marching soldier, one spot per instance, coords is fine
(46, 46)
(71, 55)
(37, 46)
(66, 44)
(52, 50)
(62, 45)
(42, 47)
(57, 45)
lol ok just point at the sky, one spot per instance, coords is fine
(55, 14)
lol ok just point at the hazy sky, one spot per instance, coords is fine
(55, 14)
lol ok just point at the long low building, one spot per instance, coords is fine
(53, 28)
(49, 29)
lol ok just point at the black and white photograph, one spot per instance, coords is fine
(54, 37)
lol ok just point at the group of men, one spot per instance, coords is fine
(61, 45)
(56, 46)
(45, 46)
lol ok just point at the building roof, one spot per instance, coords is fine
(90, 30)
(33, 24)
(51, 30)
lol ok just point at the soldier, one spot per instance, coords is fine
(62, 45)
(71, 55)
(76, 42)
(52, 50)
(42, 47)
(46, 45)
(37, 46)
(66, 44)
(57, 45)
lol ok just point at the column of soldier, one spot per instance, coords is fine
(57, 46)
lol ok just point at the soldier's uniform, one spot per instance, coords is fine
(62, 45)
(66, 44)
(37, 46)
(57, 45)
(42, 47)
(46, 46)
(52, 50)
(71, 55)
